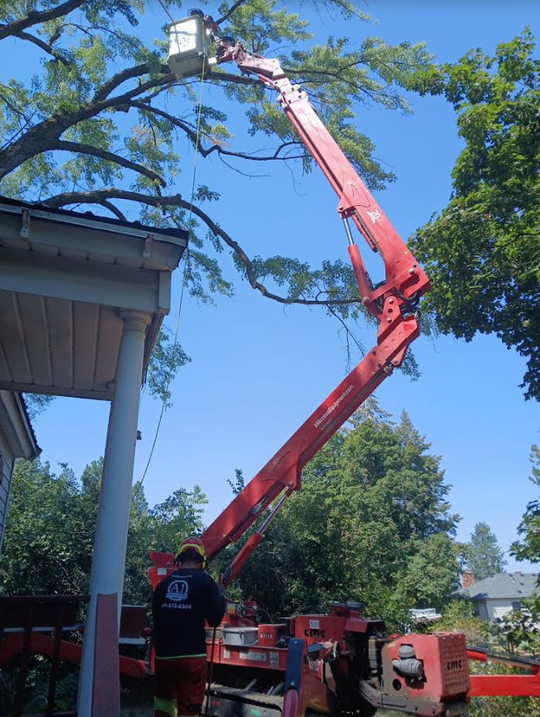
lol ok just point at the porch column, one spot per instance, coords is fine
(108, 560)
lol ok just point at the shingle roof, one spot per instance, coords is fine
(504, 585)
(29, 421)
(106, 220)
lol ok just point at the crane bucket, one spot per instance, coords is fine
(188, 47)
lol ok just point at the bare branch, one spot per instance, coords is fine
(97, 196)
(34, 17)
(105, 90)
(239, 171)
(237, 79)
(43, 45)
(348, 334)
(78, 148)
(114, 210)
(166, 79)
(229, 12)
(191, 132)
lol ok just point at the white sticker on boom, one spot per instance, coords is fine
(374, 215)
(255, 656)
(313, 624)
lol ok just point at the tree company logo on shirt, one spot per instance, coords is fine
(177, 591)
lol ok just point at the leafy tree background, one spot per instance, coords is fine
(528, 547)
(482, 252)
(371, 523)
(103, 124)
(50, 531)
(483, 555)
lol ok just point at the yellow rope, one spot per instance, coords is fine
(197, 135)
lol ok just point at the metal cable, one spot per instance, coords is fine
(175, 342)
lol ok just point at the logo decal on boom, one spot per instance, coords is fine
(374, 215)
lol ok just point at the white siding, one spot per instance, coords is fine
(497, 608)
(480, 609)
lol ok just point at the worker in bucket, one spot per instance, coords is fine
(181, 604)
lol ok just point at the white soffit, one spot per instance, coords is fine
(65, 278)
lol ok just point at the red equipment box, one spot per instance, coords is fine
(270, 635)
(444, 658)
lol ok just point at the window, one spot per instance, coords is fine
(516, 605)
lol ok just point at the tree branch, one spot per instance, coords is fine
(192, 134)
(78, 148)
(97, 197)
(43, 45)
(114, 210)
(348, 336)
(105, 90)
(237, 79)
(46, 133)
(34, 17)
(333, 76)
(229, 12)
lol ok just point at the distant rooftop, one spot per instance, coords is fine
(515, 585)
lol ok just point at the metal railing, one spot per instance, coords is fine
(25, 624)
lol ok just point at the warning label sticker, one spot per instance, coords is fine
(254, 656)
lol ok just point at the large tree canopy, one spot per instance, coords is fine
(102, 123)
(482, 252)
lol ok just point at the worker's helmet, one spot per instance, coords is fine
(194, 546)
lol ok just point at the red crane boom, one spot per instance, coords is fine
(338, 661)
(392, 303)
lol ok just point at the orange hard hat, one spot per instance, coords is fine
(194, 545)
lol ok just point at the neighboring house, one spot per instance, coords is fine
(495, 597)
(17, 440)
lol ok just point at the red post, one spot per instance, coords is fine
(106, 685)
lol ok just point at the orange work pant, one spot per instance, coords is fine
(180, 686)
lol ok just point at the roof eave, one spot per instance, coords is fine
(20, 436)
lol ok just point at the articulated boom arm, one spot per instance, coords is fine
(355, 200)
(392, 303)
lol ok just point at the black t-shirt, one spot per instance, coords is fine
(181, 604)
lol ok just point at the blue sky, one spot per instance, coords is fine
(258, 369)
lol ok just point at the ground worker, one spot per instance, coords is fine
(181, 604)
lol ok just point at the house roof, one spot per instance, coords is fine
(515, 585)
(16, 427)
(67, 279)
(91, 220)
(28, 419)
